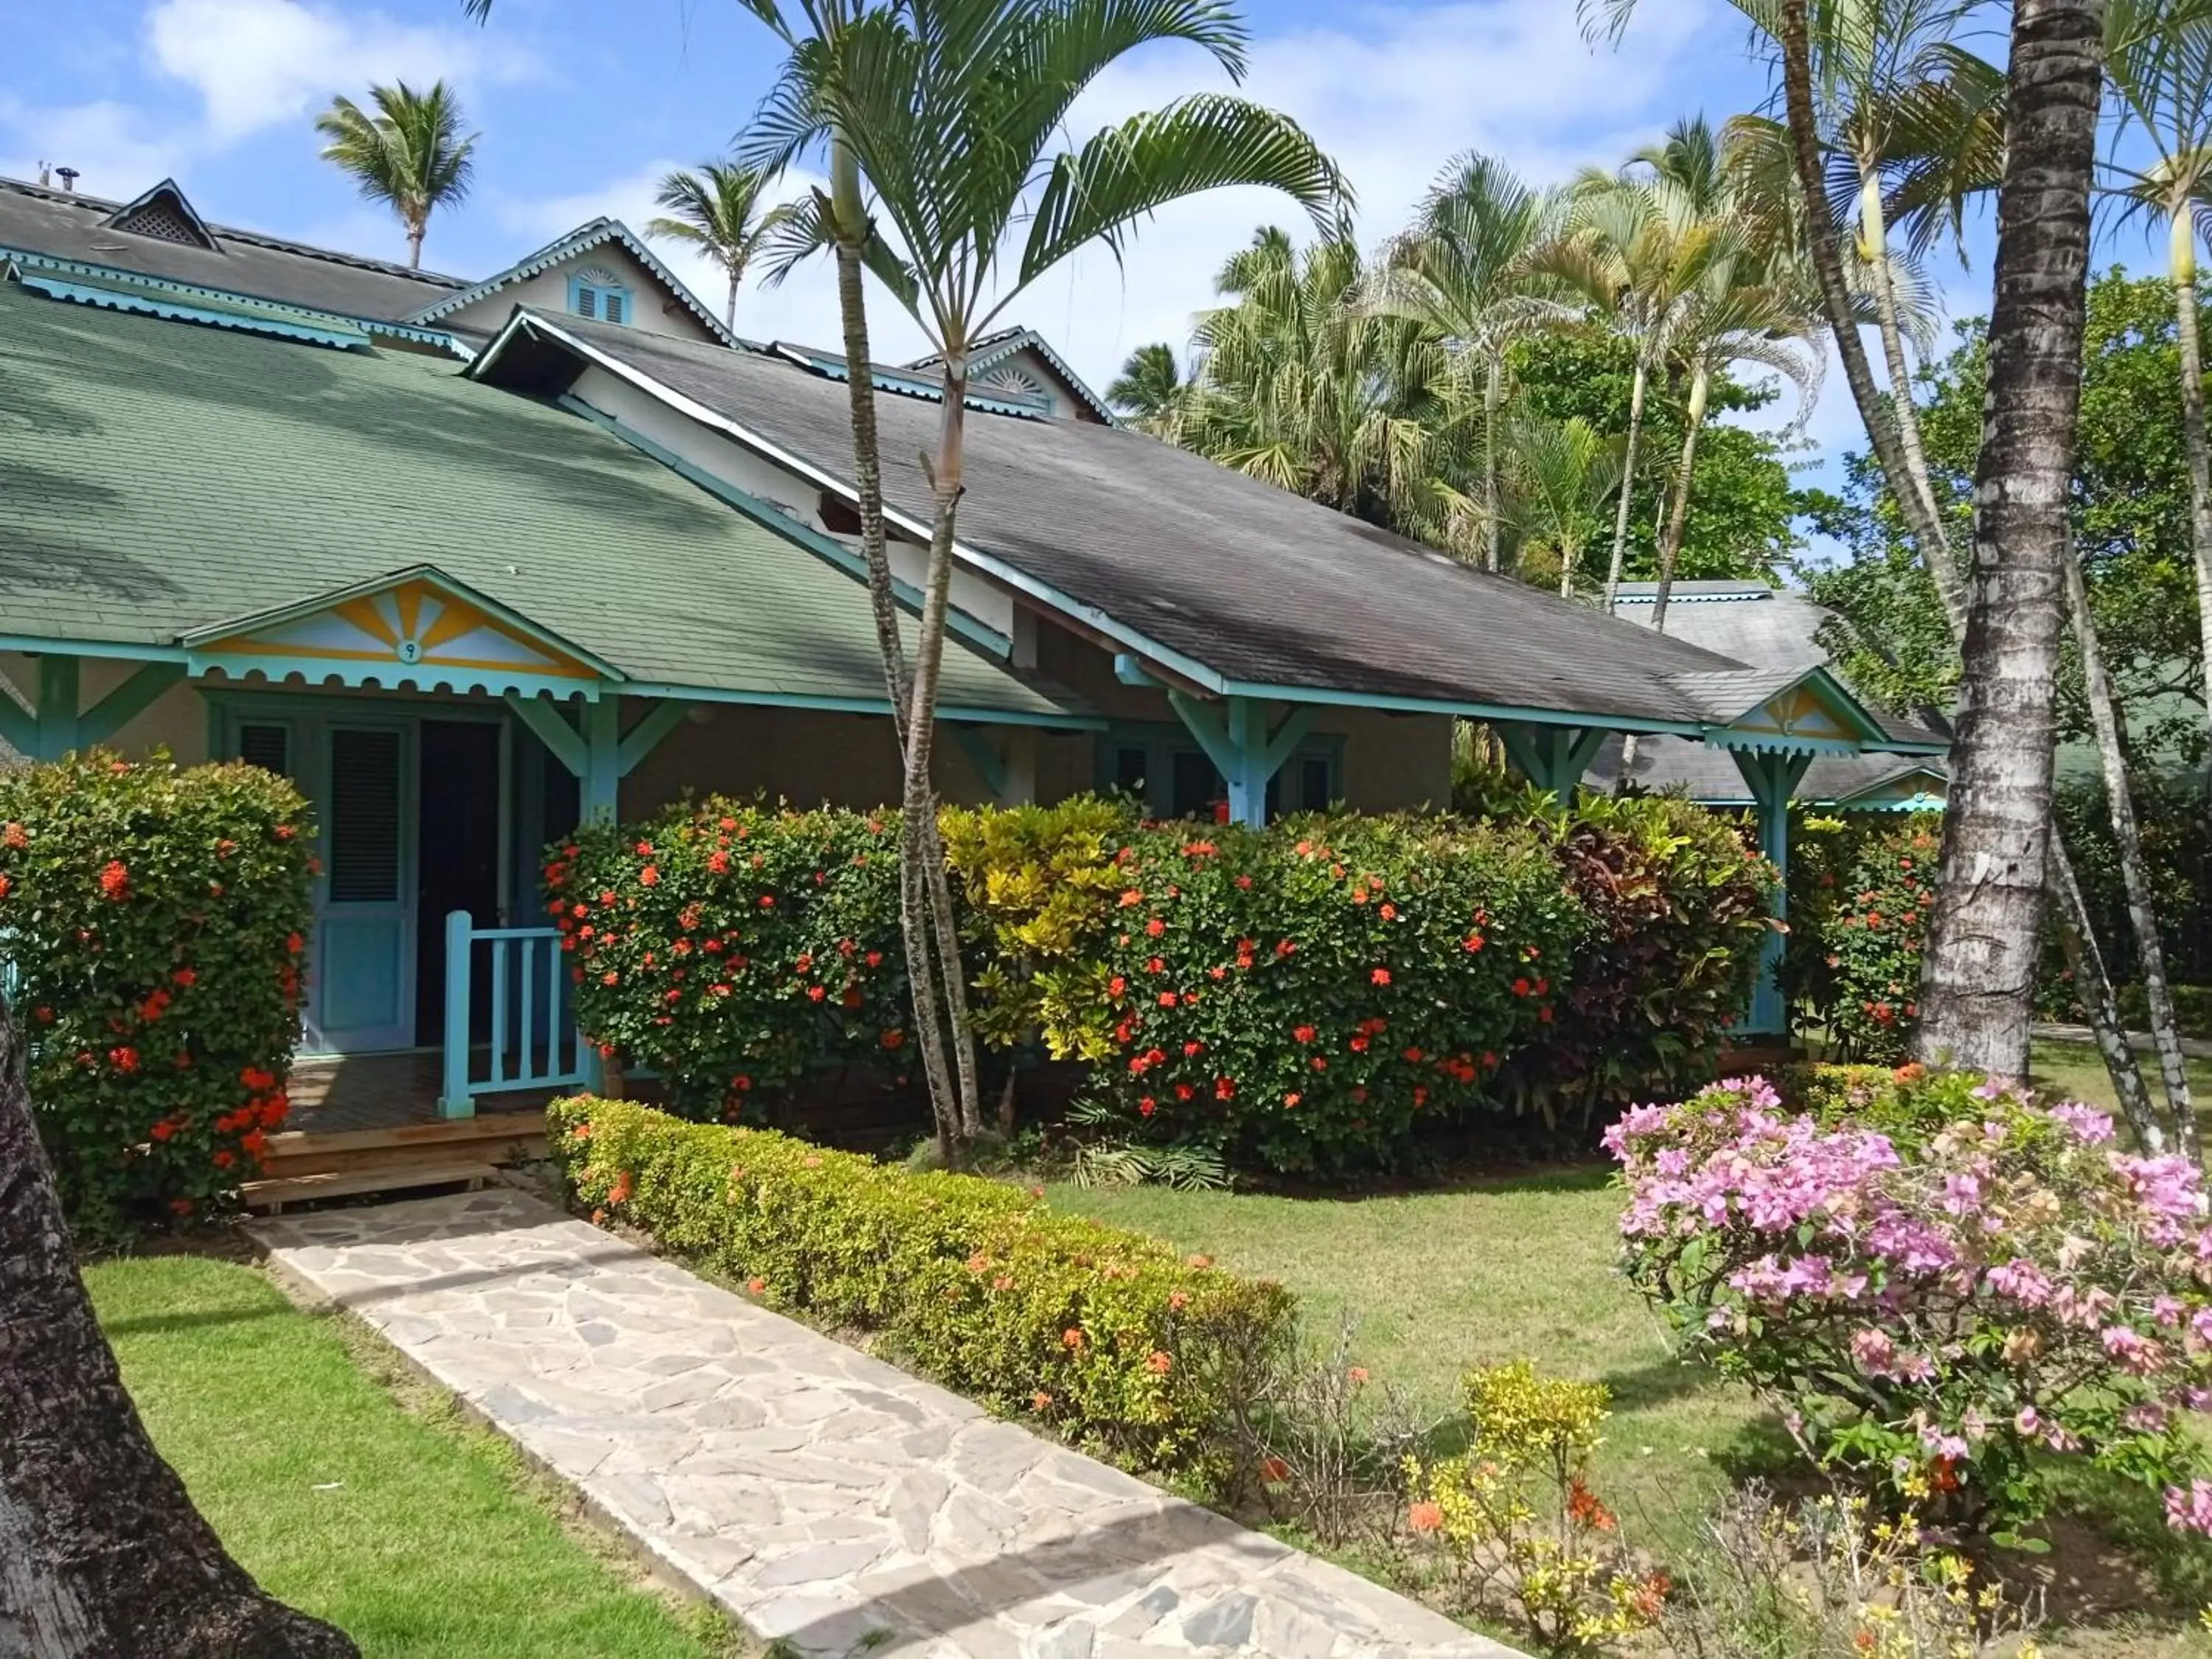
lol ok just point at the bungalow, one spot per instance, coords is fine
(471, 560)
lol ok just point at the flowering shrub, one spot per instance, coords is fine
(1867, 930)
(1300, 996)
(1115, 1338)
(736, 950)
(154, 918)
(1942, 1309)
(1677, 904)
(1516, 1518)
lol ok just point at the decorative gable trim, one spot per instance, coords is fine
(163, 213)
(1815, 711)
(597, 233)
(902, 382)
(155, 299)
(416, 627)
(997, 347)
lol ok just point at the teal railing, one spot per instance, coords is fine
(521, 1033)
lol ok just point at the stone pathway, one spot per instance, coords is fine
(820, 1496)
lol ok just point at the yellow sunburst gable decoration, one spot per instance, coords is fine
(418, 627)
(1799, 712)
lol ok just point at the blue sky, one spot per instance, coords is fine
(583, 103)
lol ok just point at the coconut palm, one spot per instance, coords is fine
(719, 211)
(954, 113)
(1151, 393)
(1467, 272)
(409, 155)
(1560, 478)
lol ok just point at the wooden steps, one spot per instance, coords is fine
(303, 1165)
(273, 1195)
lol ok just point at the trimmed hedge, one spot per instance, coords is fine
(155, 917)
(1301, 997)
(1109, 1337)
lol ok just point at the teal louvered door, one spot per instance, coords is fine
(361, 981)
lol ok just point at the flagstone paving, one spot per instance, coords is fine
(819, 1495)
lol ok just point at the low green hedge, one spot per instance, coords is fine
(1108, 1336)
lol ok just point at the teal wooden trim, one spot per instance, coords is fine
(549, 727)
(1553, 758)
(826, 548)
(581, 240)
(1206, 727)
(455, 1099)
(132, 698)
(1766, 743)
(244, 322)
(1130, 670)
(19, 726)
(247, 669)
(57, 733)
(601, 795)
(990, 766)
(1772, 777)
(645, 737)
(1247, 783)
(625, 306)
(123, 650)
(1322, 696)
(1288, 736)
(947, 714)
(905, 385)
(1521, 748)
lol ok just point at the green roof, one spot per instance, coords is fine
(157, 477)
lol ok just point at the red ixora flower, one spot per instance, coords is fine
(115, 880)
(1381, 976)
(1425, 1517)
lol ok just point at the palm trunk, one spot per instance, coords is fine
(917, 838)
(1493, 393)
(1678, 515)
(101, 1552)
(962, 1097)
(730, 304)
(1570, 555)
(1875, 235)
(2193, 427)
(417, 230)
(2143, 913)
(1978, 976)
(2071, 915)
(1628, 485)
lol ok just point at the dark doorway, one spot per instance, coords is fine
(459, 858)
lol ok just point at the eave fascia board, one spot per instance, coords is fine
(1067, 720)
(119, 650)
(1087, 616)
(1467, 709)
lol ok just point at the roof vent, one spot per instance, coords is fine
(164, 215)
(68, 178)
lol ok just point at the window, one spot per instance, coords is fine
(598, 293)
(269, 747)
(1163, 769)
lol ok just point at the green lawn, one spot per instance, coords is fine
(1523, 1266)
(421, 1537)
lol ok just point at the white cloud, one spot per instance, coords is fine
(113, 147)
(803, 309)
(257, 64)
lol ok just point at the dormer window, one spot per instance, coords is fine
(598, 293)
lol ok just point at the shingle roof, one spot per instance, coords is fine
(157, 477)
(67, 227)
(1260, 586)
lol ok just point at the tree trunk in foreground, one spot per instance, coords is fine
(1627, 484)
(102, 1555)
(2143, 912)
(1978, 977)
(2183, 266)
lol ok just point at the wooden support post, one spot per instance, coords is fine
(455, 1100)
(1773, 776)
(603, 767)
(1246, 754)
(57, 730)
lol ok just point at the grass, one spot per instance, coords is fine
(1523, 1266)
(360, 1495)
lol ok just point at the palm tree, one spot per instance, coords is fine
(718, 210)
(1299, 383)
(953, 113)
(410, 155)
(1150, 392)
(1559, 476)
(1467, 270)
(105, 1552)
